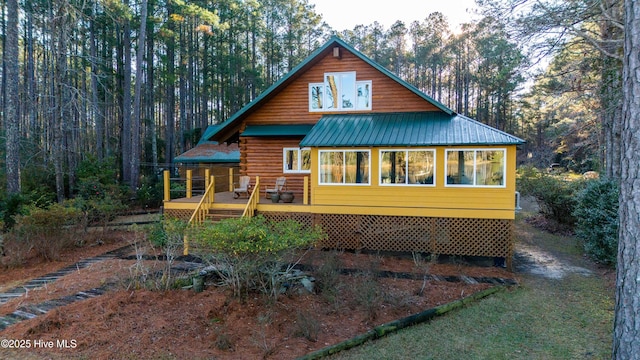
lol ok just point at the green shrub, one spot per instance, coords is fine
(97, 210)
(104, 171)
(48, 231)
(250, 254)
(555, 196)
(596, 216)
(149, 194)
(11, 207)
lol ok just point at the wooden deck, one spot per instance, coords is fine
(225, 200)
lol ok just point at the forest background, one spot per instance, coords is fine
(114, 90)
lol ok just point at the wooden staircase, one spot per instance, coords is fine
(216, 215)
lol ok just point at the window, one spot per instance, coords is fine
(297, 160)
(407, 167)
(476, 167)
(344, 167)
(340, 92)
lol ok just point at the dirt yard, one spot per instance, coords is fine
(142, 324)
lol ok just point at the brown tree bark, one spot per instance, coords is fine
(12, 117)
(626, 340)
(136, 147)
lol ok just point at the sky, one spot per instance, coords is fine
(346, 14)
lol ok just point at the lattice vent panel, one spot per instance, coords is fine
(343, 230)
(395, 233)
(476, 237)
(303, 218)
(180, 214)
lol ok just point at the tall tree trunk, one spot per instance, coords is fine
(627, 311)
(134, 160)
(30, 107)
(96, 108)
(610, 93)
(12, 116)
(149, 97)
(170, 93)
(126, 101)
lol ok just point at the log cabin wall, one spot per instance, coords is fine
(264, 157)
(291, 105)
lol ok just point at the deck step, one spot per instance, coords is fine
(217, 215)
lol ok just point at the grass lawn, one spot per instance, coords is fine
(567, 318)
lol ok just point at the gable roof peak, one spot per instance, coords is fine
(334, 40)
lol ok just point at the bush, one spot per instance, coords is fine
(249, 254)
(555, 196)
(47, 231)
(9, 209)
(149, 194)
(596, 216)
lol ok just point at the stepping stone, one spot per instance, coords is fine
(24, 314)
(468, 279)
(11, 295)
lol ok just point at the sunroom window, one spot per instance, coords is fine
(407, 167)
(344, 167)
(477, 167)
(297, 160)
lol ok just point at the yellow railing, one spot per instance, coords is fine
(201, 210)
(254, 199)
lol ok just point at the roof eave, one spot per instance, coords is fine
(265, 95)
(393, 76)
(222, 133)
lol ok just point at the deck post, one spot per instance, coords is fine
(230, 179)
(212, 194)
(207, 174)
(189, 183)
(167, 189)
(305, 191)
(257, 189)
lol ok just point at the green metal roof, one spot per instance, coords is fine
(296, 72)
(403, 129)
(277, 130)
(210, 130)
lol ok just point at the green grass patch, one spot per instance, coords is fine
(570, 318)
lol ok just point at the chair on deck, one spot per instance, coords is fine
(243, 188)
(280, 185)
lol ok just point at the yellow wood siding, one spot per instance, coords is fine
(438, 200)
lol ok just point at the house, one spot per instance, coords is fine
(374, 161)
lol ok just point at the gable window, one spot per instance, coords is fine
(407, 167)
(478, 167)
(340, 92)
(296, 160)
(344, 167)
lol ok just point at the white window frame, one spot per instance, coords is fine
(322, 101)
(406, 164)
(344, 171)
(359, 102)
(475, 156)
(360, 86)
(299, 167)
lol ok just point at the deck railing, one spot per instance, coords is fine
(254, 199)
(201, 210)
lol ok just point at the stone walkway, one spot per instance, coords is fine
(31, 311)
